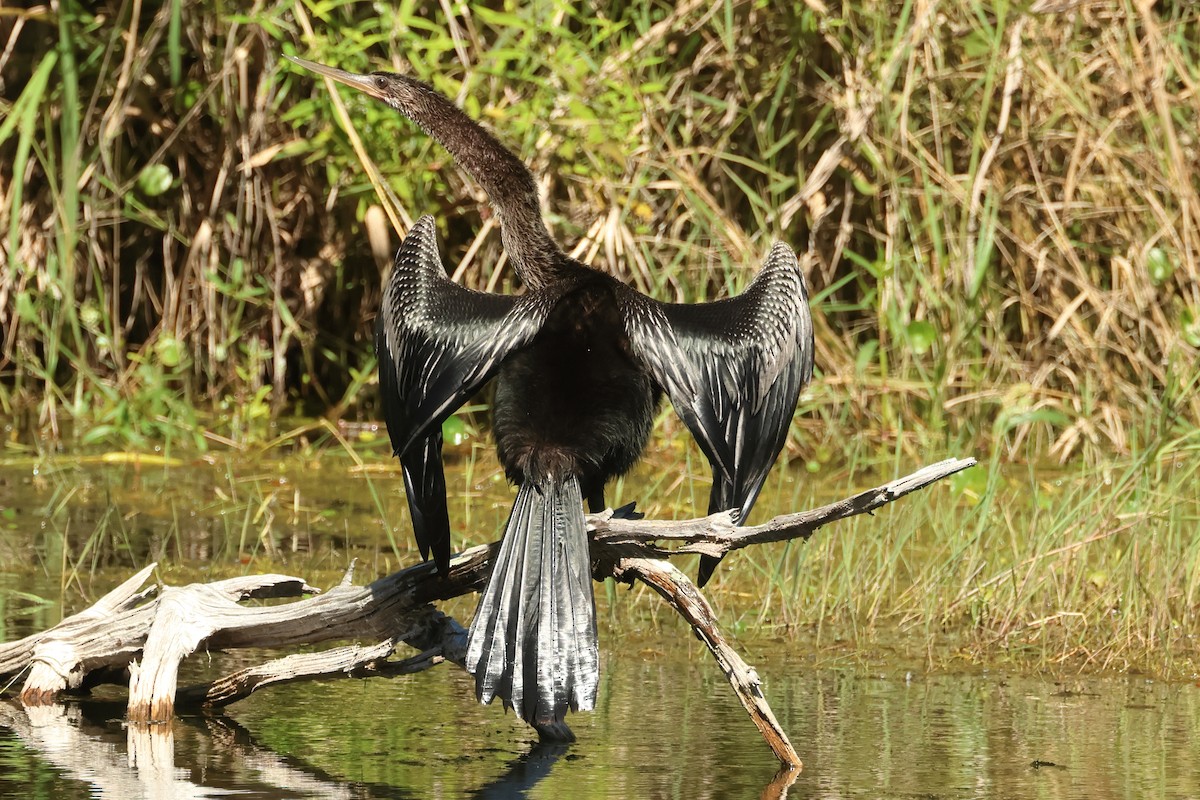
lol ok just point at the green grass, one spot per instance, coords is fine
(999, 260)
(1007, 565)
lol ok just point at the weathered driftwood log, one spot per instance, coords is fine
(163, 625)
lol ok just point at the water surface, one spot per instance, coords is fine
(666, 723)
(664, 728)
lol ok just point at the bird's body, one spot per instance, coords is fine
(580, 362)
(572, 409)
(575, 401)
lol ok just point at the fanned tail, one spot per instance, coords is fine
(533, 640)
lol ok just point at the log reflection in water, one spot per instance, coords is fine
(216, 756)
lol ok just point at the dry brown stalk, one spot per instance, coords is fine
(1074, 122)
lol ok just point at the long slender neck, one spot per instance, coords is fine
(509, 185)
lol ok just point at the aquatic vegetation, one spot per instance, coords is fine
(1060, 569)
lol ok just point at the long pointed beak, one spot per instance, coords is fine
(364, 83)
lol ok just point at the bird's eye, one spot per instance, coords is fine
(380, 82)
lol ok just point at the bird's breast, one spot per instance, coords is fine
(574, 401)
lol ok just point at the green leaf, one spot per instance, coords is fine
(1159, 265)
(977, 45)
(1008, 421)
(454, 431)
(921, 336)
(23, 116)
(169, 351)
(970, 484)
(154, 179)
(1189, 326)
(24, 110)
(866, 355)
(100, 433)
(500, 19)
(25, 308)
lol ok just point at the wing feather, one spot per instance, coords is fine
(437, 343)
(734, 370)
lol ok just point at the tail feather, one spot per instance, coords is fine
(533, 641)
(580, 613)
(498, 611)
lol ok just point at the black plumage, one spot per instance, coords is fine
(580, 362)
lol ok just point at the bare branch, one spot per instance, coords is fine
(719, 534)
(666, 579)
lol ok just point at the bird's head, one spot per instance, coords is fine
(395, 90)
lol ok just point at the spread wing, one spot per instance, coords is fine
(733, 370)
(437, 343)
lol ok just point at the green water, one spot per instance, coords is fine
(664, 727)
(666, 723)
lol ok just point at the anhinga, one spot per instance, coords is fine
(580, 362)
